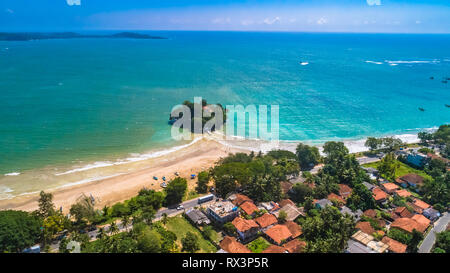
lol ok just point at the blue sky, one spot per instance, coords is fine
(399, 16)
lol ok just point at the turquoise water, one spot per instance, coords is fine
(65, 101)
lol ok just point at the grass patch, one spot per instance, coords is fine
(402, 170)
(180, 226)
(258, 245)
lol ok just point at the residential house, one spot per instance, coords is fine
(371, 213)
(422, 220)
(275, 249)
(365, 227)
(294, 229)
(416, 159)
(431, 214)
(246, 229)
(411, 179)
(266, 220)
(295, 246)
(286, 187)
(270, 206)
(357, 247)
(197, 217)
(345, 191)
(357, 214)
(369, 186)
(222, 212)
(368, 240)
(336, 198)
(403, 212)
(238, 199)
(379, 195)
(389, 187)
(285, 202)
(394, 246)
(408, 225)
(322, 203)
(403, 193)
(249, 208)
(419, 203)
(278, 234)
(231, 245)
(291, 210)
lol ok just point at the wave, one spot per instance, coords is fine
(134, 158)
(304, 63)
(413, 62)
(5, 192)
(373, 62)
(12, 174)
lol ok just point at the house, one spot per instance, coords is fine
(295, 246)
(365, 227)
(389, 187)
(231, 245)
(370, 170)
(197, 217)
(246, 229)
(33, 249)
(408, 225)
(294, 229)
(419, 203)
(322, 203)
(345, 191)
(270, 206)
(357, 247)
(411, 179)
(431, 214)
(368, 240)
(249, 208)
(394, 246)
(379, 195)
(266, 220)
(275, 249)
(369, 186)
(285, 202)
(416, 159)
(403, 212)
(357, 214)
(403, 193)
(238, 199)
(222, 212)
(371, 213)
(286, 187)
(278, 234)
(422, 220)
(378, 247)
(292, 212)
(336, 198)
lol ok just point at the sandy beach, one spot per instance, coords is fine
(190, 160)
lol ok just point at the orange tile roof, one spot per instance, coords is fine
(240, 198)
(278, 233)
(286, 202)
(231, 245)
(422, 220)
(408, 224)
(333, 196)
(295, 246)
(370, 213)
(285, 186)
(365, 227)
(274, 249)
(344, 190)
(403, 212)
(266, 220)
(379, 194)
(295, 229)
(394, 245)
(420, 204)
(403, 193)
(412, 178)
(244, 225)
(390, 187)
(248, 207)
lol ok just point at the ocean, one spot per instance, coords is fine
(78, 104)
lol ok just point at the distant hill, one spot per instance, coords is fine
(28, 36)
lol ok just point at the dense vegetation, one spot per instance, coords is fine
(18, 230)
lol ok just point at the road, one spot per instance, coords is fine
(169, 211)
(365, 160)
(439, 226)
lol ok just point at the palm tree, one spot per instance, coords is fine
(164, 218)
(125, 222)
(113, 229)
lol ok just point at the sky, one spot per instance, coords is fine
(379, 16)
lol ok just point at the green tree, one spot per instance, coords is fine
(190, 243)
(203, 180)
(282, 216)
(18, 230)
(416, 238)
(373, 143)
(425, 137)
(443, 241)
(388, 167)
(391, 144)
(149, 241)
(299, 192)
(361, 198)
(307, 156)
(46, 206)
(175, 191)
(229, 229)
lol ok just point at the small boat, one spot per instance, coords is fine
(192, 176)
(164, 178)
(155, 178)
(447, 105)
(431, 78)
(304, 63)
(421, 109)
(444, 81)
(163, 185)
(177, 173)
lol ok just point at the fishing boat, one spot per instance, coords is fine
(421, 109)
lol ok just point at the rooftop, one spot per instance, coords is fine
(394, 246)
(365, 227)
(237, 199)
(266, 220)
(403, 193)
(274, 249)
(231, 245)
(412, 178)
(420, 204)
(222, 208)
(278, 233)
(408, 225)
(344, 190)
(379, 194)
(292, 212)
(295, 246)
(244, 225)
(295, 229)
(390, 186)
(248, 207)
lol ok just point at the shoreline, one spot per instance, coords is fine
(203, 153)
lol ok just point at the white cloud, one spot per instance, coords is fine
(269, 21)
(221, 20)
(322, 21)
(247, 22)
(73, 2)
(374, 2)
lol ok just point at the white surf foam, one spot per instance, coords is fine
(12, 174)
(373, 62)
(304, 63)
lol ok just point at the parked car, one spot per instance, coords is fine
(180, 207)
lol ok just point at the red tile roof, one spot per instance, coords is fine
(240, 198)
(230, 245)
(244, 225)
(295, 229)
(379, 194)
(420, 204)
(403, 193)
(365, 227)
(390, 187)
(295, 246)
(274, 249)
(403, 212)
(422, 220)
(286, 186)
(412, 178)
(394, 246)
(332, 196)
(286, 202)
(266, 220)
(278, 233)
(345, 191)
(408, 224)
(248, 207)
(370, 213)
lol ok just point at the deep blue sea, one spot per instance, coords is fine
(65, 101)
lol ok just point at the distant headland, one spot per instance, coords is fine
(29, 36)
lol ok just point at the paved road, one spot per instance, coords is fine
(169, 211)
(365, 160)
(439, 226)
